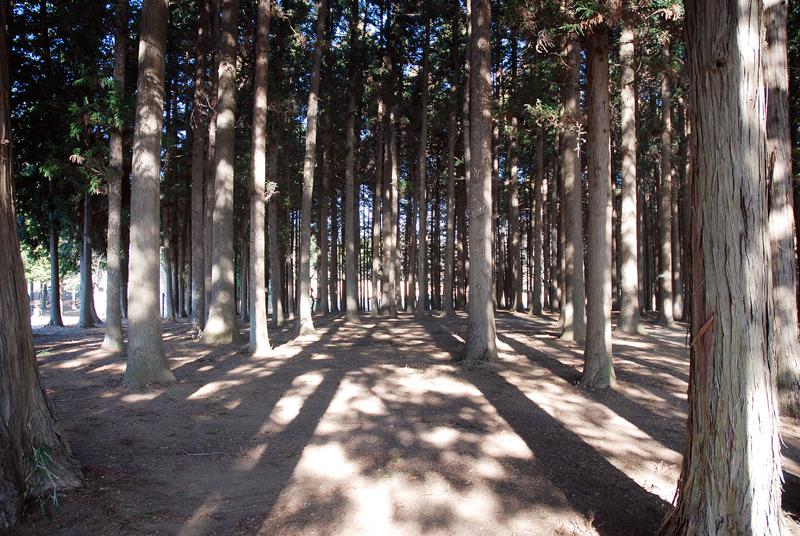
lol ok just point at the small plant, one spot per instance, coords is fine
(41, 478)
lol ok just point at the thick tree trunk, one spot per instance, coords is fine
(221, 326)
(781, 215)
(306, 323)
(259, 338)
(86, 319)
(481, 343)
(198, 171)
(598, 370)
(146, 361)
(731, 477)
(629, 302)
(29, 433)
(574, 326)
(350, 194)
(536, 226)
(210, 169)
(665, 309)
(422, 186)
(112, 342)
(388, 298)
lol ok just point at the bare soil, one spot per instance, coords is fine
(373, 429)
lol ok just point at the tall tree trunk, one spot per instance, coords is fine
(259, 338)
(221, 326)
(450, 228)
(333, 266)
(731, 477)
(306, 323)
(86, 318)
(146, 361)
(198, 170)
(211, 145)
(462, 246)
(781, 215)
(28, 427)
(536, 225)
(514, 233)
(481, 343)
(629, 303)
(323, 207)
(598, 370)
(377, 195)
(350, 193)
(112, 342)
(55, 276)
(276, 261)
(422, 186)
(665, 316)
(166, 218)
(574, 328)
(553, 219)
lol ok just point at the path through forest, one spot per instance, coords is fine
(372, 429)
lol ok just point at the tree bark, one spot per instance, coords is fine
(210, 169)
(665, 311)
(221, 326)
(259, 337)
(422, 187)
(323, 204)
(86, 319)
(377, 195)
(450, 228)
(481, 343)
(574, 326)
(275, 259)
(306, 323)
(55, 276)
(112, 342)
(629, 285)
(350, 193)
(731, 477)
(598, 370)
(781, 215)
(146, 362)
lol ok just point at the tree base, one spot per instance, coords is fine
(138, 378)
(305, 328)
(112, 345)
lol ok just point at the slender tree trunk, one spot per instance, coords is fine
(324, 206)
(598, 370)
(221, 326)
(112, 342)
(539, 183)
(55, 276)
(377, 194)
(146, 361)
(86, 319)
(198, 170)
(333, 266)
(166, 218)
(731, 477)
(422, 186)
(574, 327)
(259, 338)
(552, 217)
(629, 304)
(481, 343)
(306, 322)
(275, 259)
(514, 249)
(450, 238)
(350, 194)
(665, 317)
(29, 433)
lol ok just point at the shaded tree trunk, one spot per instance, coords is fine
(276, 260)
(55, 276)
(146, 362)
(323, 207)
(210, 171)
(450, 228)
(536, 225)
(350, 194)
(86, 318)
(731, 477)
(665, 316)
(377, 194)
(422, 186)
(481, 343)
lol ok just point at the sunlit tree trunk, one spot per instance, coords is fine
(211, 145)
(350, 194)
(539, 182)
(305, 322)
(731, 477)
(323, 206)
(221, 326)
(377, 195)
(598, 370)
(481, 343)
(275, 247)
(112, 341)
(629, 303)
(665, 316)
(146, 361)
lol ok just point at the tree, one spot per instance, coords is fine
(259, 339)
(422, 188)
(305, 322)
(221, 326)
(480, 342)
(350, 195)
(731, 477)
(87, 314)
(598, 370)
(781, 214)
(146, 362)
(29, 433)
(536, 226)
(450, 237)
(665, 315)
(113, 338)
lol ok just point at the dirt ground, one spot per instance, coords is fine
(372, 429)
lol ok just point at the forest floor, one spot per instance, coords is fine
(373, 429)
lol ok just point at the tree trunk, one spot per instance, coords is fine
(574, 327)
(146, 361)
(350, 193)
(221, 326)
(781, 215)
(333, 265)
(86, 319)
(306, 323)
(422, 187)
(198, 170)
(665, 316)
(323, 207)
(629, 303)
(112, 342)
(210, 169)
(166, 218)
(539, 182)
(259, 338)
(449, 241)
(598, 370)
(29, 433)
(55, 276)
(731, 477)
(377, 194)
(275, 259)
(481, 343)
